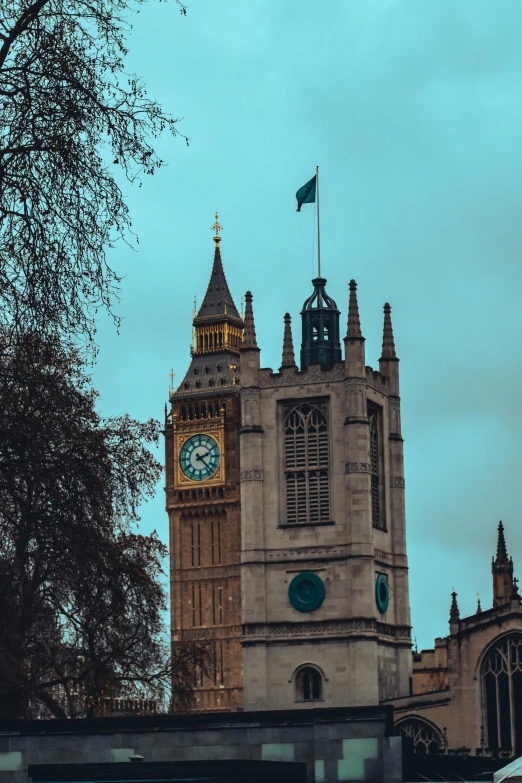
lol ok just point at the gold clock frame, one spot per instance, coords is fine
(181, 435)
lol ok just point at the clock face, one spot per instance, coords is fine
(199, 457)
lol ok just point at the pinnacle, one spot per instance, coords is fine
(454, 609)
(388, 344)
(249, 333)
(502, 556)
(354, 323)
(288, 344)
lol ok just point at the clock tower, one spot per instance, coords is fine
(202, 488)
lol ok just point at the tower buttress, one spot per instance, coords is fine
(502, 571)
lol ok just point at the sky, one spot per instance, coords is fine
(413, 111)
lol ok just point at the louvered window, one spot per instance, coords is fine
(375, 469)
(306, 464)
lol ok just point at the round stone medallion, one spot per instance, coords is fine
(306, 591)
(382, 593)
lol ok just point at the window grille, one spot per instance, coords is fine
(502, 682)
(375, 469)
(306, 464)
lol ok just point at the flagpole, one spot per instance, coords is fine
(318, 223)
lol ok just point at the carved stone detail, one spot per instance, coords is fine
(293, 378)
(251, 475)
(397, 481)
(384, 557)
(324, 628)
(376, 380)
(357, 467)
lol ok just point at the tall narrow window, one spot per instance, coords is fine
(198, 532)
(306, 464)
(502, 682)
(193, 604)
(220, 605)
(192, 543)
(213, 604)
(378, 519)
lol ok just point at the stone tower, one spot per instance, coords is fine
(324, 578)
(202, 487)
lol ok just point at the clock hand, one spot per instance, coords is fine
(201, 457)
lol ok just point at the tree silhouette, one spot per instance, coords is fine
(68, 111)
(81, 598)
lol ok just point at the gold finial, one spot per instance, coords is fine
(217, 228)
(172, 376)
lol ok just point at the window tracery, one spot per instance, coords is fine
(427, 739)
(502, 683)
(306, 464)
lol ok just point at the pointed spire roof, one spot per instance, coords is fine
(454, 609)
(502, 556)
(479, 607)
(354, 323)
(388, 344)
(288, 344)
(218, 299)
(249, 333)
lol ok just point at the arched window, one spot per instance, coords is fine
(218, 367)
(327, 330)
(426, 737)
(306, 464)
(206, 370)
(308, 684)
(315, 331)
(502, 684)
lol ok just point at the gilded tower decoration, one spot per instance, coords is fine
(202, 486)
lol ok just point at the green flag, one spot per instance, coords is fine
(306, 194)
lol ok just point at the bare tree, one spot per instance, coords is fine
(81, 595)
(69, 114)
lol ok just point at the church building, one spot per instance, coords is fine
(285, 495)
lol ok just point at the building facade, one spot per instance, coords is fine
(203, 497)
(467, 691)
(285, 494)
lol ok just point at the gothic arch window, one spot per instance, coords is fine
(306, 464)
(426, 737)
(315, 331)
(502, 694)
(308, 684)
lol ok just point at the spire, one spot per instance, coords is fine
(218, 299)
(502, 570)
(454, 610)
(249, 334)
(354, 323)
(502, 556)
(388, 344)
(479, 607)
(288, 345)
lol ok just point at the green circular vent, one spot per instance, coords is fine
(306, 591)
(382, 593)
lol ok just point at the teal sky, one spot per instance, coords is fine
(413, 110)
